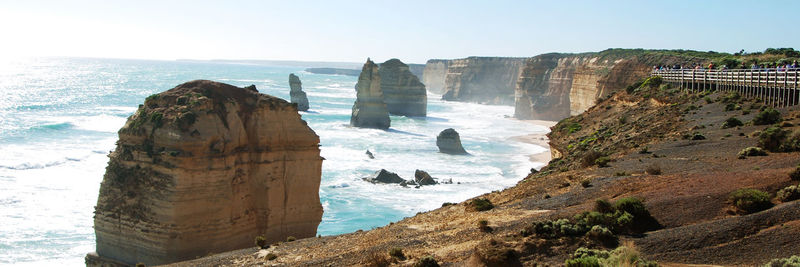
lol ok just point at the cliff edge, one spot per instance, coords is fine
(203, 168)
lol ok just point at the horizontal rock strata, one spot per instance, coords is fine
(403, 93)
(369, 109)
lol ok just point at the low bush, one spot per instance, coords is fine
(290, 239)
(603, 235)
(602, 162)
(480, 204)
(377, 260)
(586, 183)
(483, 225)
(752, 152)
(653, 170)
(731, 122)
(271, 256)
(698, 136)
(768, 116)
(496, 253)
(789, 193)
(747, 200)
(621, 256)
(793, 261)
(261, 242)
(775, 139)
(590, 157)
(397, 253)
(427, 261)
(795, 175)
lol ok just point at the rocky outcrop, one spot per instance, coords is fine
(556, 86)
(423, 178)
(369, 109)
(433, 75)
(384, 177)
(403, 93)
(203, 168)
(487, 80)
(296, 94)
(449, 142)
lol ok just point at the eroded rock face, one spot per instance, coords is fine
(449, 142)
(369, 109)
(433, 75)
(297, 95)
(423, 178)
(203, 168)
(403, 93)
(487, 80)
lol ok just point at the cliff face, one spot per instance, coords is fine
(206, 167)
(403, 93)
(556, 86)
(488, 80)
(369, 109)
(433, 75)
(296, 94)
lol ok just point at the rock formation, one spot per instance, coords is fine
(423, 178)
(449, 142)
(488, 80)
(297, 95)
(433, 75)
(369, 109)
(384, 177)
(203, 168)
(403, 93)
(556, 86)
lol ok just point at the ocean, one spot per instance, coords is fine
(59, 118)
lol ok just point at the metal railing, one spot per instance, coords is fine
(776, 87)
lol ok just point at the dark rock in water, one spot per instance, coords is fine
(384, 177)
(407, 183)
(369, 154)
(449, 142)
(369, 109)
(423, 178)
(297, 95)
(403, 93)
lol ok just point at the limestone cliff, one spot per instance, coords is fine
(403, 93)
(433, 75)
(556, 86)
(206, 167)
(488, 80)
(296, 93)
(369, 109)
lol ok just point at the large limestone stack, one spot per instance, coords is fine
(204, 168)
(296, 94)
(403, 93)
(369, 109)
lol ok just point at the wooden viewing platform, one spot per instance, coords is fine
(776, 87)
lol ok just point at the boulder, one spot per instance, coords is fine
(423, 178)
(449, 142)
(403, 93)
(204, 168)
(296, 93)
(369, 154)
(369, 109)
(384, 177)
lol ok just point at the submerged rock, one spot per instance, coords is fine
(403, 93)
(423, 178)
(449, 142)
(384, 177)
(369, 109)
(204, 168)
(296, 94)
(369, 154)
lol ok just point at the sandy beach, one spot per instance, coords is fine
(537, 139)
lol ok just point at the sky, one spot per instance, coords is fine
(413, 31)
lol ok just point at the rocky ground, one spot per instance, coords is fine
(659, 144)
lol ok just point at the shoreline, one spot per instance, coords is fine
(539, 139)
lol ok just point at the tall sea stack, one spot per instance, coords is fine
(203, 168)
(296, 94)
(369, 109)
(403, 93)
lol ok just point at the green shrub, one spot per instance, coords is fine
(602, 162)
(652, 82)
(752, 152)
(427, 261)
(271, 256)
(749, 200)
(480, 204)
(732, 122)
(590, 157)
(631, 88)
(795, 175)
(772, 139)
(789, 193)
(768, 116)
(621, 256)
(573, 127)
(590, 261)
(603, 206)
(290, 239)
(586, 183)
(602, 235)
(397, 253)
(261, 242)
(483, 225)
(698, 136)
(375, 259)
(793, 261)
(140, 265)
(653, 170)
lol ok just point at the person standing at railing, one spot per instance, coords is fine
(711, 66)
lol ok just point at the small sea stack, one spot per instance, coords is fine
(449, 142)
(423, 178)
(369, 109)
(204, 168)
(296, 93)
(403, 93)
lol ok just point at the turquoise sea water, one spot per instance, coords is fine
(59, 117)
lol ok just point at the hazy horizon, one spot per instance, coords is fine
(351, 31)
